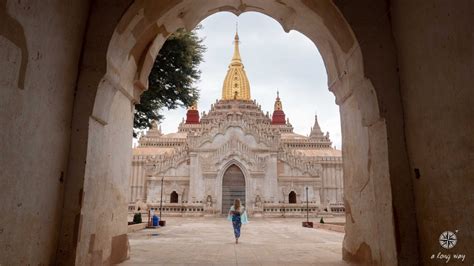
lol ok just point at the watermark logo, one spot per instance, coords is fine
(448, 239)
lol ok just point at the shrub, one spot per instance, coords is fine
(137, 218)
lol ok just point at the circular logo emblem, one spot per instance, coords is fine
(448, 239)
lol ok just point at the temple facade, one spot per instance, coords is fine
(237, 151)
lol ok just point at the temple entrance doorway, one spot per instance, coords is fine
(233, 187)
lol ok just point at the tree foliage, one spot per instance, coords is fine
(171, 82)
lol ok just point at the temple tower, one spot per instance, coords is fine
(278, 117)
(316, 131)
(236, 84)
(192, 115)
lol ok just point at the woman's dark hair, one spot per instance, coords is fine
(237, 204)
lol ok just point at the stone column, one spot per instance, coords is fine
(271, 179)
(193, 177)
(323, 185)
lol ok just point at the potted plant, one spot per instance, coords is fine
(137, 218)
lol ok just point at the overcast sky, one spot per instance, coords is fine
(273, 59)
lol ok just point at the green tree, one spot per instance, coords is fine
(171, 82)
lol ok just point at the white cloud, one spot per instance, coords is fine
(273, 59)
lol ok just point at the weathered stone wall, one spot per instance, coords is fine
(103, 18)
(366, 192)
(40, 47)
(103, 219)
(436, 60)
(392, 199)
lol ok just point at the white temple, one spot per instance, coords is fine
(237, 151)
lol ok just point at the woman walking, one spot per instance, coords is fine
(238, 216)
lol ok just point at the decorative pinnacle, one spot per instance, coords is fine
(236, 85)
(278, 105)
(236, 38)
(236, 57)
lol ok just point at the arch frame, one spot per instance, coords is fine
(143, 29)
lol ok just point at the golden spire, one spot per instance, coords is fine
(236, 57)
(236, 85)
(193, 106)
(278, 105)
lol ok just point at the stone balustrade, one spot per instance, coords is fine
(266, 210)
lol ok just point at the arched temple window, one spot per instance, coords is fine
(292, 197)
(174, 197)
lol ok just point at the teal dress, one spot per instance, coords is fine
(237, 218)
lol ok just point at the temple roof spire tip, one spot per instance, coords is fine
(278, 117)
(236, 85)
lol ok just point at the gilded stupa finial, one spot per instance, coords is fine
(278, 105)
(193, 106)
(236, 58)
(278, 117)
(236, 84)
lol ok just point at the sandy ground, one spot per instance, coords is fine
(210, 241)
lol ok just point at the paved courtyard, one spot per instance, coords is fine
(210, 241)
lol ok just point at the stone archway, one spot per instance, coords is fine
(233, 187)
(235, 161)
(369, 180)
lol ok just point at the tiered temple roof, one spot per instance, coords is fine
(237, 106)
